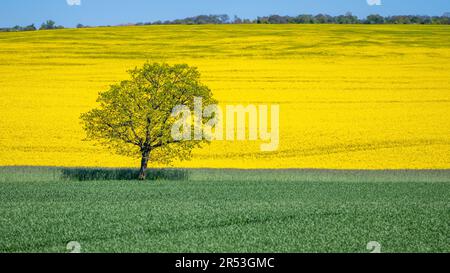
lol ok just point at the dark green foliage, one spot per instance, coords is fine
(49, 24)
(19, 28)
(311, 19)
(90, 174)
(375, 19)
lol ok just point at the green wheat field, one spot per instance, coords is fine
(201, 210)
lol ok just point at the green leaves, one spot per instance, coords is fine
(134, 115)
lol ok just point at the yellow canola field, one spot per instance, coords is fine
(351, 97)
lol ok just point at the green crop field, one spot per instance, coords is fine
(42, 209)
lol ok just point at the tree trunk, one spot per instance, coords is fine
(144, 164)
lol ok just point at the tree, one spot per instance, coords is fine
(134, 117)
(323, 19)
(348, 18)
(224, 18)
(29, 28)
(237, 20)
(17, 28)
(304, 19)
(277, 19)
(49, 24)
(375, 19)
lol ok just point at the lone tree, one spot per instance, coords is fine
(134, 117)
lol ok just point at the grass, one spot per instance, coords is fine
(42, 209)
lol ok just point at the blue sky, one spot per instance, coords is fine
(112, 12)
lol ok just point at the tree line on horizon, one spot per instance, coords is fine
(348, 18)
(49, 24)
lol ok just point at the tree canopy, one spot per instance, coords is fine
(134, 117)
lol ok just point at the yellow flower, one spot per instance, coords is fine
(351, 97)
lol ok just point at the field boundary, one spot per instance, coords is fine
(48, 173)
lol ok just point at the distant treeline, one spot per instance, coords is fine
(348, 18)
(46, 25)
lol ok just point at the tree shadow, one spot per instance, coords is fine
(90, 174)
